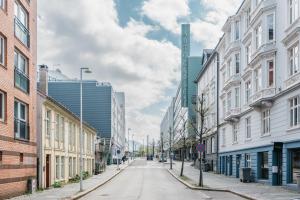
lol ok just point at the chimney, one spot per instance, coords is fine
(43, 79)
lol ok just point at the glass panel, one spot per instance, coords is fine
(1, 50)
(270, 22)
(16, 110)
(295, 164)
(22, 112)
(271, 73)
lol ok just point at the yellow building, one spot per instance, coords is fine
(58, 131)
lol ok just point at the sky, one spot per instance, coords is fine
(133, 44)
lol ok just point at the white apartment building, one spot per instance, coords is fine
(167, 128)
(260, 91)
(207, 82)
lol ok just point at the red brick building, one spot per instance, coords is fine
(18, 33)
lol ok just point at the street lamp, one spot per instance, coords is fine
(132, 147)
(87, 71)
(129, 129)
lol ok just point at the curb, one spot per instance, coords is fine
(81, 194)
(192, 187)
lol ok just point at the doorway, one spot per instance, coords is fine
(48, 170)
(238, 164)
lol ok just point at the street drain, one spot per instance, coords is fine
(104, 195)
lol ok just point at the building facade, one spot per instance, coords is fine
(259, 92)
(103, 108)
(58, 137)
(207, 82)
(167, 129)
(18, 33)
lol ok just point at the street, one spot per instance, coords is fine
(150, 180)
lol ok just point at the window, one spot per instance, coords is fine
(295, 165)
(248, 128)
(248, 17)
(21, 158)
(270, 24)
(74, 167)
(293, 10)
(237, 63)
(248, 53)
(264, 166)
(258, 79)
(224, 108)
(213, 147)
(62, 131)
(57, 167)
(228, 69)
(295, 111)
(229, 101)
(62, 167)
(237, 30)
(2, 4)
(270, 73)
(48, 123)
(235, 133)
(237, 97)
(1, 154)
(294, 60)
(21, 127)
(223, 137)
(2, 50)
(21, 24)
(266, 121)
(70, 168)
(247, 160)
(2, 106)
(57, 128)
(224, 77)
(21, 71)
(258, 37)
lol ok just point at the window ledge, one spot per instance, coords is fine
(293, 128)
(22, 140)
(265, 135)
(248, 139)
(234, 143)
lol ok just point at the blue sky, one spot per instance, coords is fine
(133, 44)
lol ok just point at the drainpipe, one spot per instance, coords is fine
(218, 82)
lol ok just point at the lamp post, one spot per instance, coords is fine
(88, 71)
(132, 147)
(129, 129)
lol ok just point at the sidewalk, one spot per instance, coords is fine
(254, 190)
(69, 190)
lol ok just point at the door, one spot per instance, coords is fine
(238, 164)
(47, 170)
(279, 162)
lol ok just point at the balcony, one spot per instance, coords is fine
(233, 46)
(21, 130)
(263, 98)
(232, 81)
(22, 33)
(292, 80)
(260, 8)
(264, 49)
(21, 80)
(233, 115)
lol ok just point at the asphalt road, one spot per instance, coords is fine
(150, 181)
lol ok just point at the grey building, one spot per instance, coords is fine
(103, 108)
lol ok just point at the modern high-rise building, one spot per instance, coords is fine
(103, 108)
(18, 56)
(183, 107)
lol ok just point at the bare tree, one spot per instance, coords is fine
(202, 111)
(170, 147)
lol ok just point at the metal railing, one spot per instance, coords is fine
(21, 80)
(22, 32)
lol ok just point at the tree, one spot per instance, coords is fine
(201, 110)
(181, 137)
(170, 147)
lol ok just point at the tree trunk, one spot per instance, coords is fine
(182, 158)
(200, 170)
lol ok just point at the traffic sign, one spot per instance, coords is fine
(200, 147)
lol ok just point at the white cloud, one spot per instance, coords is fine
(166, 12)
(208, 30)
(86, 33)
